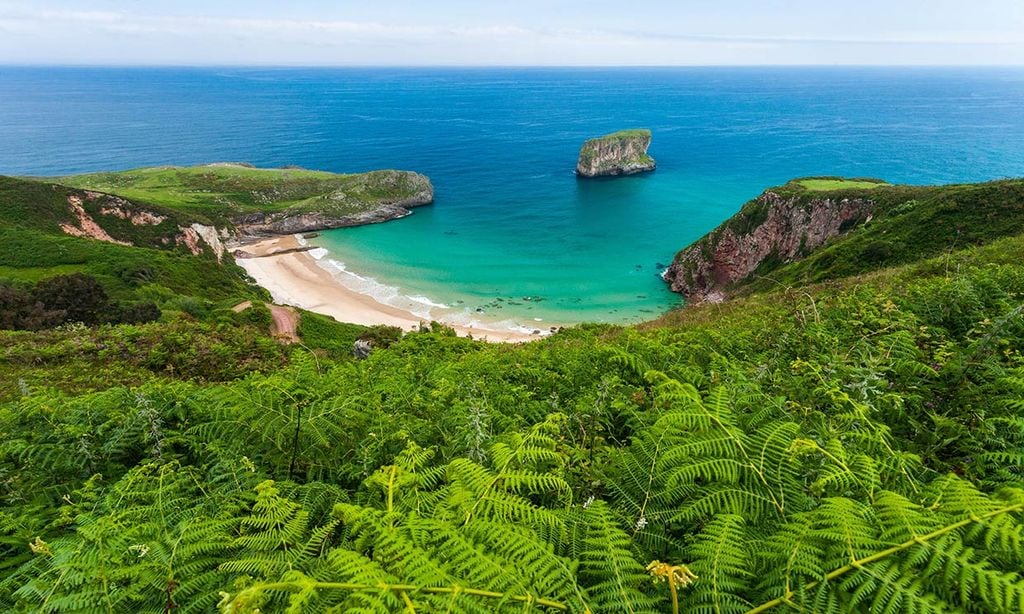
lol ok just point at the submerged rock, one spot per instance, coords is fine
(619, 153)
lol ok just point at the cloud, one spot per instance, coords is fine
(148, 37)
(124, 23)
(949, 39)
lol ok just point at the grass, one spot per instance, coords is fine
(915, 223)
(622, 135)
(223, 192)
(826, 185)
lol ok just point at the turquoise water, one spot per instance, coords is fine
(510, 219)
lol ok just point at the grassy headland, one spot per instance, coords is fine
(222, 193)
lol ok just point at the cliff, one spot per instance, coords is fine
(251, 201)
(827, 228)
(773, 229)
(378, 196)
(620, 153)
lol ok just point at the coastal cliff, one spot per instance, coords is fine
(773, 229)
(251, 202)
(619, 153)
(379, 196)
(827, 228)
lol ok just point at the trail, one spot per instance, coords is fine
(285, 321)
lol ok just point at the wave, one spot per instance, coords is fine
(416, 304)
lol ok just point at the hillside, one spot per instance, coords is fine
(138, 251)
(275, 201)
(812, 230)
(855, 444)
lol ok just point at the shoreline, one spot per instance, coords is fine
(286, 268)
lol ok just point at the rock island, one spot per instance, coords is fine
(619, 153)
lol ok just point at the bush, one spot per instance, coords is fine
(79, 296)
(139, 313)
(19, 311)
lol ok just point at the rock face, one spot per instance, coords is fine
(394, 194)
(619, 153)
(92, 214)
(768, 229)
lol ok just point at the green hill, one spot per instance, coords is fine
(817, 229)
(141, 251)
(855, 444)
(229, 194)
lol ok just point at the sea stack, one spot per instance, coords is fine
(619, 153)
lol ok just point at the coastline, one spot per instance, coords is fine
(293, 276)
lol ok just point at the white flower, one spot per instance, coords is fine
(140, 550)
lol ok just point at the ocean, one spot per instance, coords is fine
(513, 236)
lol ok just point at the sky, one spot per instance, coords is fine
(512, 32)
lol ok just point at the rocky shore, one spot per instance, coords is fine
(391, 193)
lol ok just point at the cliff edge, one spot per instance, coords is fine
(779, 226)
(619, 153)
(249, 201)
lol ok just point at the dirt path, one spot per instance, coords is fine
(285, 322)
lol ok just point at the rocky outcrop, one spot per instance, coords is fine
(194, 235)
(393, 194)
(84, 225)
(768, 230)
(95, 225)
(620, 153)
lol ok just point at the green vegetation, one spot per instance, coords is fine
(910, 223)
(839, 183)
(626, 134)
(905, 224)
(151, 266)
(854, 445)
(222, 192)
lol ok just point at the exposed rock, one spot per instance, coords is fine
(393, 193)
(361, 348)
(619, 153)
(769, 227)
(87, 227)
(120, 208)
(210, 235)
(190, 239)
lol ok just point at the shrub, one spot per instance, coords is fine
(139, 313)
(79, 296)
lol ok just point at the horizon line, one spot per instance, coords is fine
(4, 64)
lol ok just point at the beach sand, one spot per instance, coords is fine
(285, 268)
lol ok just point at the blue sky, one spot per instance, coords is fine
(512, 32)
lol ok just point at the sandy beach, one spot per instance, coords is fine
(286, 269)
